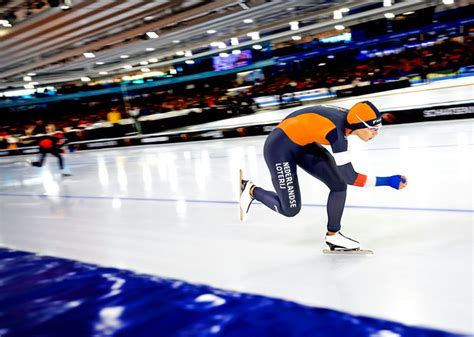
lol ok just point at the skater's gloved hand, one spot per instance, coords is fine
(397, 182)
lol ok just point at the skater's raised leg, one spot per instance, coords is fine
(280, 156)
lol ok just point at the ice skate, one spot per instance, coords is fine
(340, 244)
(66, 173)
(245, 197)
(339, 241)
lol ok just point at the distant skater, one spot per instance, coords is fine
(296, 141)
(51, 144)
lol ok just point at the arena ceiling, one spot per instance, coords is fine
(50, 41)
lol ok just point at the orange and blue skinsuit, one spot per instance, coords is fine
(297, 141)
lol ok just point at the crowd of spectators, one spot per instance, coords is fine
(323, 72)
(341, 69)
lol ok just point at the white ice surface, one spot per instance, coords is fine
(172, 211)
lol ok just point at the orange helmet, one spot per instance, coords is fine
(363, 114)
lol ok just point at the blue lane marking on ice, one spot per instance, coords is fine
(47, 296)
(227, 202)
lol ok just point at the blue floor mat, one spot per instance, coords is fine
(44, 296)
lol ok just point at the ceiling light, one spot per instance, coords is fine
(173, 71)
(408, 13)
(152, 35)
(27, 78)
(188, 53)
(31, 74)
(234, 41)
(248, 21)
(339, 27)
(124, 56)
(344, 10)
(127, 66)
(257, 47)
(223, 54)
(220, 45)
(150, 49)
(389, 15)
(387, 3)
(322, 64)
(296, 37)
(99, 63)
(145, 70)
(143, 63)
(254, 35)
(180, 53)
(236, 51)
(176, 41)
(28, 86)
(294, 25)
(153, 60)
(85, 79)
(89, 55)
(211, 31)
(330, 56)
(103, 73)
(337, 15)
(448, 2)
(189, 61)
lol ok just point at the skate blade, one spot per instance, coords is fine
(348, 251)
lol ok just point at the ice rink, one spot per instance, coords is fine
(172, 211)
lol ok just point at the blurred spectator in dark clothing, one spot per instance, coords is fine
(52, 144)
(40, 128)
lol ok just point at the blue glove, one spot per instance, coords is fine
(392, 181)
